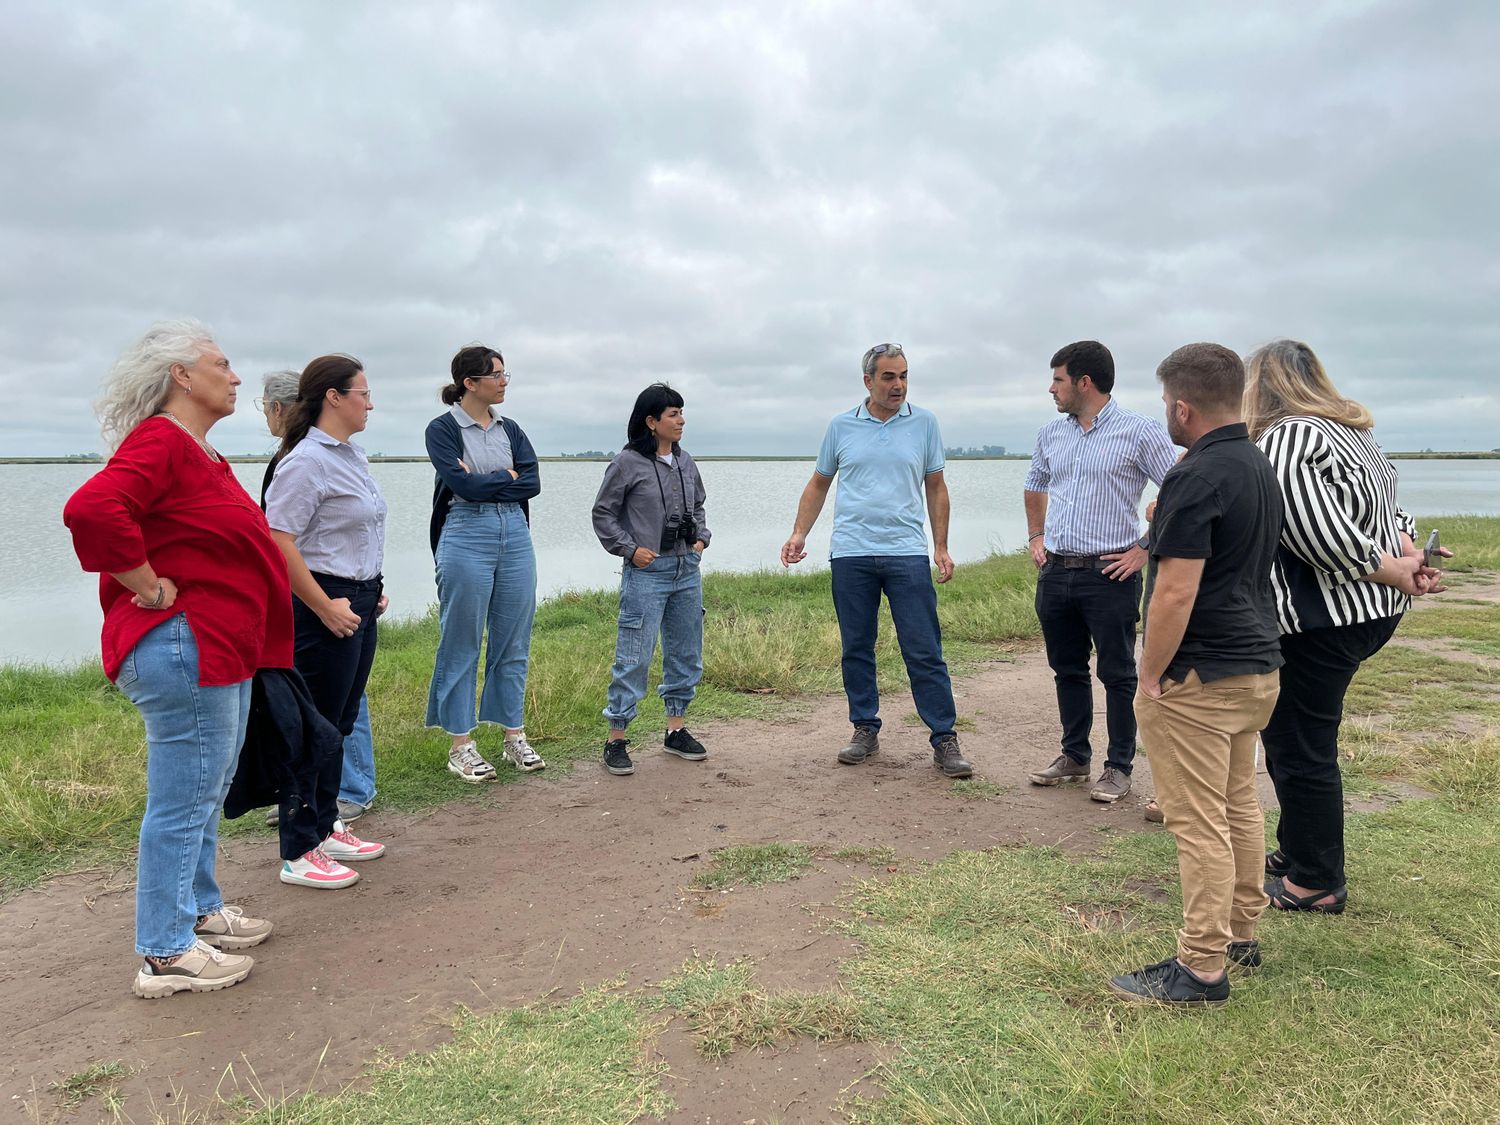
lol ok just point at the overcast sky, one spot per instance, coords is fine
(741, 198)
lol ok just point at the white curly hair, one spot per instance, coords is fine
(138, 384)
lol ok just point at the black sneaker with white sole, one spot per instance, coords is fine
(684, 745)
(617, 757)
(1169, 982)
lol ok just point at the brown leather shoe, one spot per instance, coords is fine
(1061, 772)
(1111, 786)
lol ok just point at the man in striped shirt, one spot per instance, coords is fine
(1083, 498)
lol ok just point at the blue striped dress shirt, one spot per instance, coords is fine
(324, 495)
(1094, 478)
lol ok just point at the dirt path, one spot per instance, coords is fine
(544, 886)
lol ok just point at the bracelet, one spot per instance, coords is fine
(161, 596)
(1034, 535)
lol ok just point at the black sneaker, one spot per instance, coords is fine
(684, 745)
(950, 759)
(864, 744)
(1168, 982)
(1245, 954)
(617, 758)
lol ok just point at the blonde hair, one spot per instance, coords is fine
(1285, 379)
(138, 385)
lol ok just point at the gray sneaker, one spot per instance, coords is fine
(864, 745)
(1063, 771)
(950, 759)
(350, 811)
(1111, 786)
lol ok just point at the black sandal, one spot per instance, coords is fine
(1278, 864)
(1283, 899)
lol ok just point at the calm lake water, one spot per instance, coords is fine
(49, 611)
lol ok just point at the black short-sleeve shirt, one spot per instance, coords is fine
(1221, 503)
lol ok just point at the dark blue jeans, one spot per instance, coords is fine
(1082, 610)
(906, 581)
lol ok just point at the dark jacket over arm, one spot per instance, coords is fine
(445, 449)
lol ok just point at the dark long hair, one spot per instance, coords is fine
(327, 372)
(650, 403)
(472, 362)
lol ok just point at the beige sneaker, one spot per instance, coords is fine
(469, 764)
(522, 756)
(201, 969)
(228, 928)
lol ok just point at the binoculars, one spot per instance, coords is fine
(678, 527)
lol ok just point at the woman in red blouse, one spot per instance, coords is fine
(195, 599)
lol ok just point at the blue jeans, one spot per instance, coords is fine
(193, 739)
(358, 781)
(665, 597)
(906, 581)
(486, 578)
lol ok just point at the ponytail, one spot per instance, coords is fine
(327, 372)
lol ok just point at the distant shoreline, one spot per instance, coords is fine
(382, 459)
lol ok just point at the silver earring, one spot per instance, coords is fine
(189, 388)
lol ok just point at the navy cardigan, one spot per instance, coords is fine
(445, 448)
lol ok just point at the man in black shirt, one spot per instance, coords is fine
(1208, 675)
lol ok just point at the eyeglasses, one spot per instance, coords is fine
(879, 350)
(264, 405)
(503, 376)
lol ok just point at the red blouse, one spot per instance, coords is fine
(162, 498)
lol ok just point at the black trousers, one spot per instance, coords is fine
(1082, 610)
(336, 669)
(1302, 745)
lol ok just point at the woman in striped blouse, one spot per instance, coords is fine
(1345, 573)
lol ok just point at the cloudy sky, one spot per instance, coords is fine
(740, 198)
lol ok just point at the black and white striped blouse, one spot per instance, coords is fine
(1341, 516)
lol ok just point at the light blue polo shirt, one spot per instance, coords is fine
(881, 505)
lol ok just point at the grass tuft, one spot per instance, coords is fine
(725, 1010)
(75, 1089)
(754, 865)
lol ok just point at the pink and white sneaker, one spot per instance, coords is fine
(316, 869)
(346, 847)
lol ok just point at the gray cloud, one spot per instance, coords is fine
(741, 198)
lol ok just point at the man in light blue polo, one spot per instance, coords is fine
(887, 455)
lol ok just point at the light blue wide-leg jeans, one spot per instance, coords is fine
(486, 576)
(666, 598)
(357, 783)
(193, 739)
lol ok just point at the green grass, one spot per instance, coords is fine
(75, 1089)
(725, 1010)
(72, 751)
(987, 974)
(583, 1061)
(754, 865)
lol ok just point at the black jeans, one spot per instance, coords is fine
(1079, 610)
(335, 669)
(1302, 745)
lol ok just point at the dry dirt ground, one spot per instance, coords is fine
(568, 879)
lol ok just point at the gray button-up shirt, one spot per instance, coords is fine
(324, 495)
(628, 511)
(486, 450)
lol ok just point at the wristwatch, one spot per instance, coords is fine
(1144, 542)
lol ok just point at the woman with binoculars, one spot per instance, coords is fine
(649, 511)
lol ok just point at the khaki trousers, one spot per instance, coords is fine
(1200, 740)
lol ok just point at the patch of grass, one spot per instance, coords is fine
(977, 789)
(72, 749)
(75, 1089)
(1476, 628)
(987, 971)
(725, 1009)
(583, 1061)
(754, 865)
